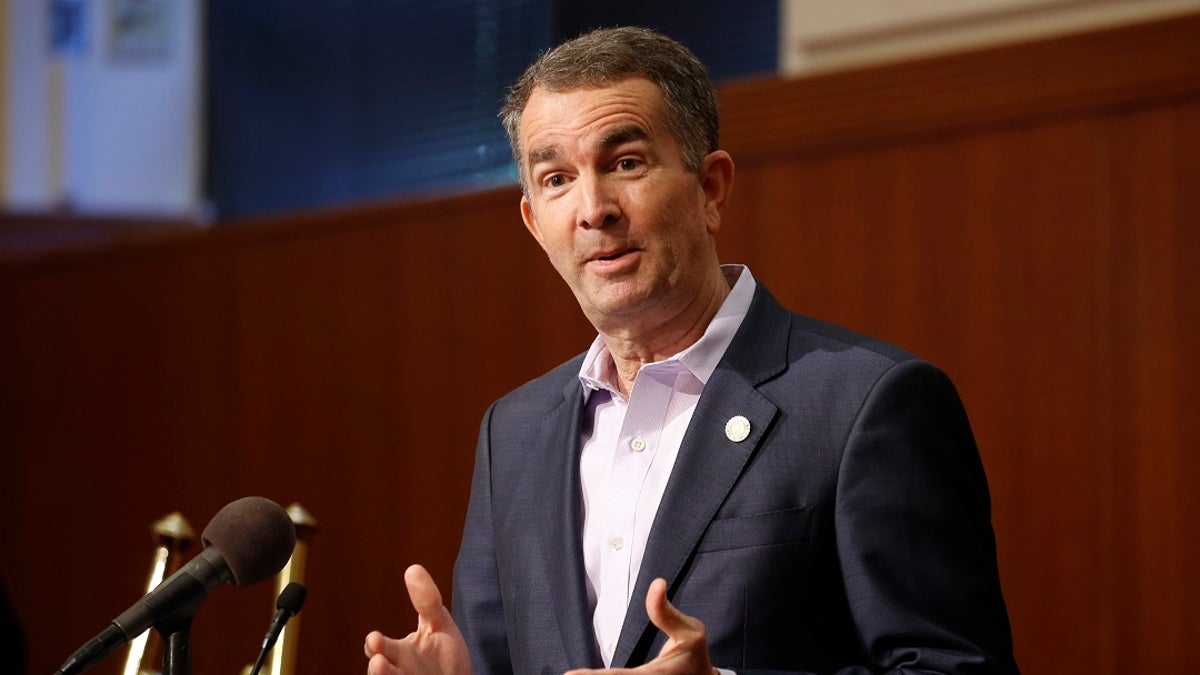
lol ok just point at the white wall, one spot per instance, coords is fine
(27, 130)
(819, 35)
(99, 132)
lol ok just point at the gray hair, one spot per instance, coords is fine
(608, 55)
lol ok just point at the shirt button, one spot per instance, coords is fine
(617, 542)
(638, 444)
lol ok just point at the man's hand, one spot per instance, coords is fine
(435, 648)
(686, 650)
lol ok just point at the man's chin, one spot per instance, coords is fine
(617, 302)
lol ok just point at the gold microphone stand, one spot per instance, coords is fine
(172, 534)
(282, 659)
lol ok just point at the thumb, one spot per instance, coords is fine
(663, 614)
(425, 596)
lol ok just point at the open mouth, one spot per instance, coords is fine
(608, 257)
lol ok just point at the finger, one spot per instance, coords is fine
(378, 644)
(379, 665)
(425, 596)
(373, 644)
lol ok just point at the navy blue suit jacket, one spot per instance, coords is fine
(849, 533)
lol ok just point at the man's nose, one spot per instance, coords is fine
(598, 203)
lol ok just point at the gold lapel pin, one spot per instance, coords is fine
(737, 429)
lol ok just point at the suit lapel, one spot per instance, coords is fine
(559, 525)
(710, 460)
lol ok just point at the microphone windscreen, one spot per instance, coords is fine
(292, 598)
(255, 537)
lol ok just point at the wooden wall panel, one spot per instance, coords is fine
(1152, 305)
(975, 251)
(345, 367)
(1025, 217)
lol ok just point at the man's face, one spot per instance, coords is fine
(621, 218)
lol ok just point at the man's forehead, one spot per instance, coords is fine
(632, 114)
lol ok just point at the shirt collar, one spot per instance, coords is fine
(599, 372)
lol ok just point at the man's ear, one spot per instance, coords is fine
(716, 179)
(531, 222)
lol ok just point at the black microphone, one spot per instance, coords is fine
(247, 541)
(291, 599)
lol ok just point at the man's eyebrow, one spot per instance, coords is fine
(624, 134)
(546, 153)
(618, 136)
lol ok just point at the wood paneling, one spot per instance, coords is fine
(343, 363)
(1025, 217)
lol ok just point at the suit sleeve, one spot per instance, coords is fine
(914, 534)
(477, 603)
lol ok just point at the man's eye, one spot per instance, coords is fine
(627, 164)
(555, 180)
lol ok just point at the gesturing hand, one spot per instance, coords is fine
(686, 650)
(434, 648)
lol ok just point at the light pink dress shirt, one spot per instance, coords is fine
(629, 448)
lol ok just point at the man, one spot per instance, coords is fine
(717, 482)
